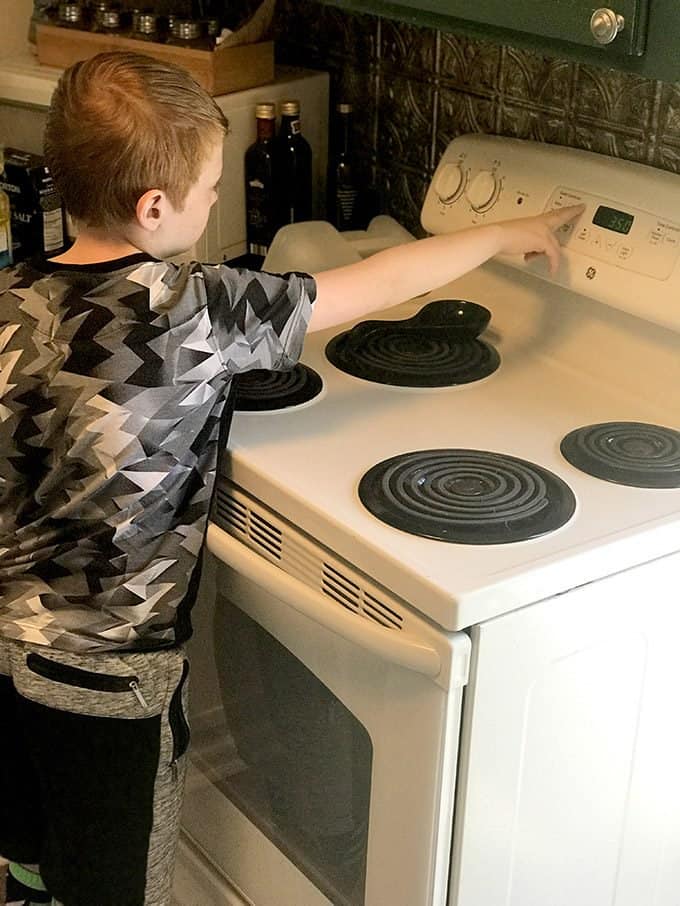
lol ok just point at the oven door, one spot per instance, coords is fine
(324, 746)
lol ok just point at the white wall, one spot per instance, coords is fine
(14, 17)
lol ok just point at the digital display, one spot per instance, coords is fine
(610, 219)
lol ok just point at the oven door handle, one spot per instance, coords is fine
(393, 645)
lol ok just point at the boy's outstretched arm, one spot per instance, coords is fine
(405, 271)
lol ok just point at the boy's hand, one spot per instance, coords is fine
(530, 236)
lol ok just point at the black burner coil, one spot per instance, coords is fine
(263, 391)
(438, 347)
(467, 496)
(635, 454)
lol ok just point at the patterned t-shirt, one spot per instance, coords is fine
(113, 381)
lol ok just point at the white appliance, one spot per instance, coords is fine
(386, 719)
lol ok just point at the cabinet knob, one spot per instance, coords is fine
(605, 25)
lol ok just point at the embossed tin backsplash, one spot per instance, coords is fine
(414, 89)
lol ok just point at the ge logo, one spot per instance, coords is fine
(591, 273)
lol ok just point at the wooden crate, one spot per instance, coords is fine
(219, 71)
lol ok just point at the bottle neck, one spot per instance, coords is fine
(290, 125)
(265, 129)
(344, 135)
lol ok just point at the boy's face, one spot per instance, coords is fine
(181, 229)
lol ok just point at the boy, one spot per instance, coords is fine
(115, 369)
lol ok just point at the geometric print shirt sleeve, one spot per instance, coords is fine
(258, 320)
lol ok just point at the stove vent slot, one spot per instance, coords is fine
(303, 557)
(232, 514)
(352, 596)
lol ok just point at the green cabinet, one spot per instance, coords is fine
(640, 36)
(621, 25)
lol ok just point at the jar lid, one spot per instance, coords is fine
(70, 12)
(265, 111)
(145, 23)
(186, 29)
(290, 108)
(111, 18)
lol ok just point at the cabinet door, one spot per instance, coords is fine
(564, 20)
(569, 790)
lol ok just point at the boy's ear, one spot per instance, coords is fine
(150, 208)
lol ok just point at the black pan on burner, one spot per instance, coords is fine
(458, 317)
(437, 347)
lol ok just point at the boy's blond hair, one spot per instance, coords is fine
(120, 124)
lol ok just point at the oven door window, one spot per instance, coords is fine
(289, 755)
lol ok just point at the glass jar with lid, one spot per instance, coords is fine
(145, 27)
(95, 11)
(188, 33)
(71, 15)
(108, 22)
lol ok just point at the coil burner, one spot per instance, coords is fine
(467, 496)
(438, 347)
(632, 453)
(262, 390)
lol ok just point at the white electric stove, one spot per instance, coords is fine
(475, 707)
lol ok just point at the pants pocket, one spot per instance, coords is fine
(130, 686)
(177, 716)
(78, 678)
(107, 689)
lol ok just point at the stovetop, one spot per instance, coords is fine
(570, 356)
(565, 363)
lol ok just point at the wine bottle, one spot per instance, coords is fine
(343, 201)
(259, 172)
(292, 168)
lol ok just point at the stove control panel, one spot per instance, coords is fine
(620, 235)
(624, 250)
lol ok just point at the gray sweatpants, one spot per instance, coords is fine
(92, 766)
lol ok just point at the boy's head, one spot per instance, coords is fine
(125, 129)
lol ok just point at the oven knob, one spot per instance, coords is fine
(449, 183)
(483, 190)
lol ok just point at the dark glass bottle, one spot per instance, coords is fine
(212, 30)
(344, 201)
(261, 221)
(292, 168)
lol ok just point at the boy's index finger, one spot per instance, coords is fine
(559, 216)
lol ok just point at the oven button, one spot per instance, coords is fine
(483, 191)
(564, 233)
(449, 183)
(625, 251)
